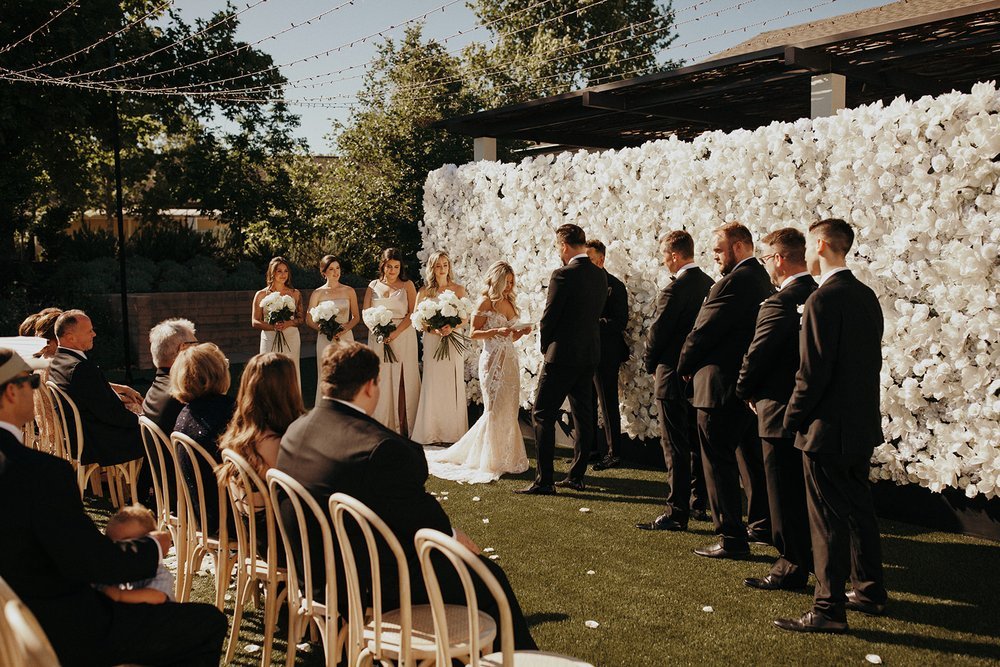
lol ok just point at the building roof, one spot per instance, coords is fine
(936, 47)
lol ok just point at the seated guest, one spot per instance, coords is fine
(166, 340)
(127, 524)
(45, 327)
(339, 447)
(52, 553)
(200, 378)
(110, 430)
(27, 327)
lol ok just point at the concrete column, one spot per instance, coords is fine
(828, 94)
(484, 148)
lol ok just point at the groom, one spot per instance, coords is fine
(571, 344)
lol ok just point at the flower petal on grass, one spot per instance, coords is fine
(486, 520)
(585, 509)
(475, 499)
(488, 550)
(251, 648)
(874, 659)
(708, 608)
(592, 624)
(591, 572)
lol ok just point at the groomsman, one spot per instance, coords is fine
(614, 351)
(676, 310)
(570, 339)
(712, 355)
(834, 413)
(766, 382)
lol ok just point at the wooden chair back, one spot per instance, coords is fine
(161, 464)
(197, 513)
(34, 647)
(249, 499)
(68, 424)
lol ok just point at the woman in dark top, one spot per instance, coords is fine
(200, 378)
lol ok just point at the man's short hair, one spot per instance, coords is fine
(166, 338)
(678, 241)
(571, 235)
(346, 369)
(788, 242)
(836, 232)
(597, 247)
(735, 231)
(199, 371)
(67, 321)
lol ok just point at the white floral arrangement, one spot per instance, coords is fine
(278, 308)
(917, 180)
(445, 310)
(329, 318)
(379, 320)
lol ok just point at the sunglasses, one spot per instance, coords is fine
(34, 380)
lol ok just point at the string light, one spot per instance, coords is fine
(30, 35)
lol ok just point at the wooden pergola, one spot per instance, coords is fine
(929, 48)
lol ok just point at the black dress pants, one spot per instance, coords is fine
(557, 382)
(682, 455)
(606, 388)
(845, 535)
(786, 494)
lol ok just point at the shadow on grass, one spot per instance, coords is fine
(542, 617)
(936, 644)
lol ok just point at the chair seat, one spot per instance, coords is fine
(533, 659)
(422, 637)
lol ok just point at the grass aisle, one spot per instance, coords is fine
(648, 590)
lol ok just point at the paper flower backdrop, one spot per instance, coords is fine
(918, 180)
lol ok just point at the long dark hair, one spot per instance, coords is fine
(388, 255)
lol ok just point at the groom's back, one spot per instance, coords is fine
(572, 334)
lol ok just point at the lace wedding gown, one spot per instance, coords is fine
(494, 445)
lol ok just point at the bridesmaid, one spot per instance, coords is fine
(400, 381)
(345, 298)
(442, 413)
(279, 279)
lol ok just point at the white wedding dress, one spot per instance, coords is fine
(494, 445)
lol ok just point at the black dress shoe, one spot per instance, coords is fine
(812, 622)
(854, 603)
(608, 462)
(700, 515)
(718, 551)
(772, 583)
(758, 537)
(568, 483)
(537, 490)
(662, 522)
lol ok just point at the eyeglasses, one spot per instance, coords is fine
(764, 258)
(34, 380)
(188, 343)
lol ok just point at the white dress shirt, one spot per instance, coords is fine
(791, 278)
(17, 433)
(826, 276)
(582, 254)
(689, 265)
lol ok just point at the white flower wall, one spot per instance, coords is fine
(917, 179)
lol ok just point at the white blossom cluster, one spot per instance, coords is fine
(918, 180)
(326, 311)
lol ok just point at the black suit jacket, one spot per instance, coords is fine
(614, 319)
(335, 448)
(111, 432)
(835, 405)
(162, 408)
(569, 329)
(768, 374)
(713, 351)
(677, 308)
(52, 552)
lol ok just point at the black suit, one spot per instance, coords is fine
(335, 448)
(713, 353)
(614, 351)
(767, 378)
(51, 555)
(835, 415)
(159, 405)
(110, 431)
(571, 344)
(677, 308)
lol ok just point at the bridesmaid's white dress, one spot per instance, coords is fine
(402, 376)
(442, 415)
(494, 445)
(322, 341)
(293, 344)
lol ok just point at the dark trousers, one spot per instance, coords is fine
(845, 536)
(730, 450)
(606, 387)
(149, 634)
(682, 455)
(557, 382)
(786, 494)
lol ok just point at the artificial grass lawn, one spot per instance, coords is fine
(648, 590)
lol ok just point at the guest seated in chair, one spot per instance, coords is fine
(52, 553)
(110, 429)
(166, 340)
(339, 447)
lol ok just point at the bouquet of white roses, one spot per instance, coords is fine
(327, 316)
(447, 310)
(379, 320)
(278, 308)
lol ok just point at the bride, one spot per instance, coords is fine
(494, 445)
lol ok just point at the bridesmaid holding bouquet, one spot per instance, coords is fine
(277, 312)
(344, 299)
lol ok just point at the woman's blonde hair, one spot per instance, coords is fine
(430, 281)
(199, 371)
(496, 284)
(269, 400)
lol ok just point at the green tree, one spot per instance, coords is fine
(542, 49)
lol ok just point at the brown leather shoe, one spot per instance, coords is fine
(812, 622)
(772, 583)
(719, 551)
(663, 522)
(537, 490)
(575, 484)
(855, 603)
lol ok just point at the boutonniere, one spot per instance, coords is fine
(800, 309)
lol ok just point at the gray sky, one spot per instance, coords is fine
(702, 28)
